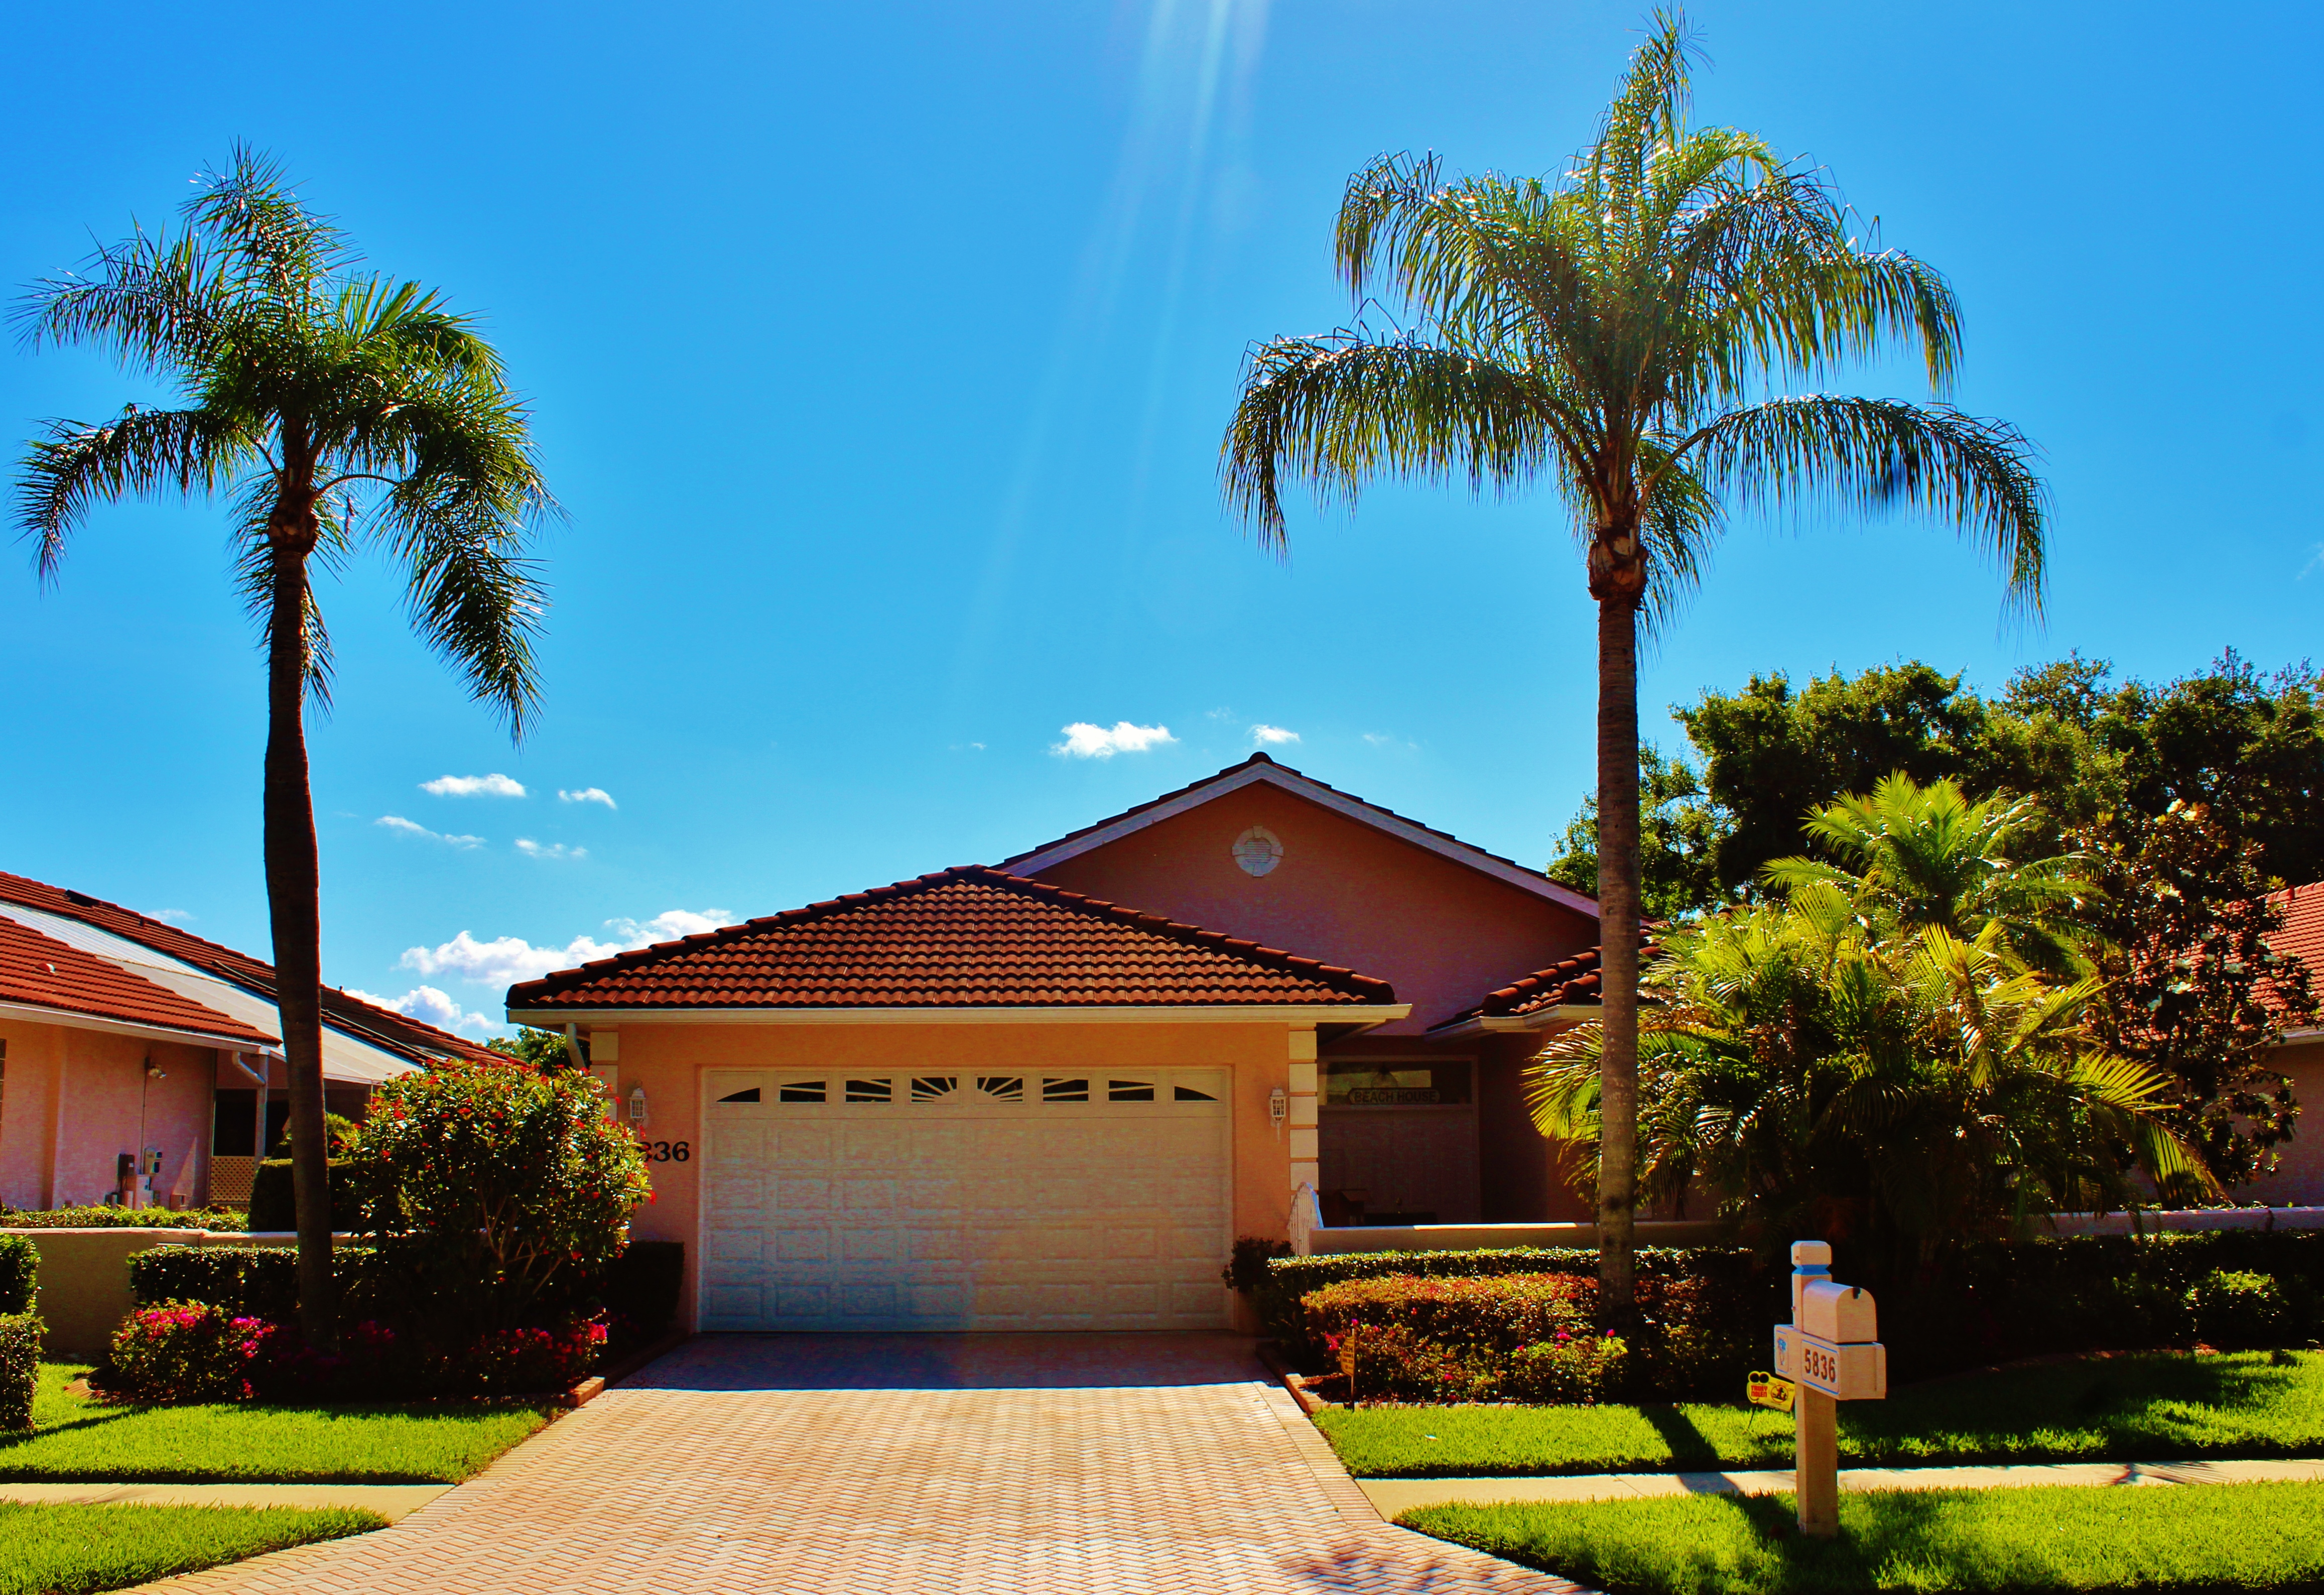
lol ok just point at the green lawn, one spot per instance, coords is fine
(66, 1550)
(2150, 1407)
(2187, 1537)
(73, 1438)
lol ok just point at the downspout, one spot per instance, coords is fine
(573, 1048)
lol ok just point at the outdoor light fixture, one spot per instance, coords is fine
(637, 1104)
(1279, 1107)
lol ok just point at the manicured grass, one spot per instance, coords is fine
(66, 1549)
(2150, 1407)
(74, 1438)
(2186, 1537)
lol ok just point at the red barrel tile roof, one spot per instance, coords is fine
(1578, 979)
(394, 1032)
(2303, 935)
(40, 972)
(972, 937)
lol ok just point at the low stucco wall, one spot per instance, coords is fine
(85, 1278)
(1355, 1237)
(2205, 1217)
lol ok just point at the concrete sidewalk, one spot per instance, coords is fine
(1393, 1496)
(391, 1501)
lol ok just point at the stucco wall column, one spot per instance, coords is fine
(1305, 1166)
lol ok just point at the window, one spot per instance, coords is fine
(1003, 1088)
(800, 1090)
(751, 1095)
(1395, 1082)
(1130, 1090)
(871, 1091)
(1065, 1090)
(934, 1088)
(1187, 1094)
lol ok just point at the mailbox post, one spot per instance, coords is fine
(1831, 1350)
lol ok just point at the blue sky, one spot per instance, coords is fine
(880, 354)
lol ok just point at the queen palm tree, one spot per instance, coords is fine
(337, 411)
(1623, 332)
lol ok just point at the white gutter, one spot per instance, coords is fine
(1564, 1015)
(1365, 1015)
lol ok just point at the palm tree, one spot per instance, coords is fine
(1618, 332)
(336, 411)
(1914, 856)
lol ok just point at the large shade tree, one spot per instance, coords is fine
(1624, 333)
(336, 411)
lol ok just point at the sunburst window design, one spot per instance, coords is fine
(1003, 1088)
(1130, 1090)
(871, 1091)
(751, 1095)
(934, 1088)
(1065, 1090)
(801, 1091)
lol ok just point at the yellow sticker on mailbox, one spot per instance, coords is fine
(1764, 1389)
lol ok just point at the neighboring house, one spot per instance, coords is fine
(996, 1098)
(132, 1054)
(2298, 1179)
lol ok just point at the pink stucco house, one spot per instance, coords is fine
(1049, 1093)
(136, 1059)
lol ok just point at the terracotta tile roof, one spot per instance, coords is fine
(970, 937)
(2303, 935)
(1261, 758)
(1578, 979)
(40, 972)
(407, 1038)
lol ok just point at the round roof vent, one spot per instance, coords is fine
(1256, 851)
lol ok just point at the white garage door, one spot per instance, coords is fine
(883, 1201)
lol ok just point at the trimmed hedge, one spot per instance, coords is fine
(96, 1217)
(19, 1275)
(20, 1369)
(1984, 1303)
(273, 1205)
(262, 1281)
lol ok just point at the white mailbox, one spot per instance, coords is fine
(1841, 1314)
(1845, 1372)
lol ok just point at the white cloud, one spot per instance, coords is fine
(432, 1007)
(506, 960)
(1271, 734)
(173, 917)
(553, 849)
(588, 795)
(668, 926)
(404, 827)
(1084, 741)
(473, 785)
(2315, 564)
(1219, 714)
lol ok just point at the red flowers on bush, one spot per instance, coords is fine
(187, 1351)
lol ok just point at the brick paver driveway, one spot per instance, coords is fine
(919, 1464)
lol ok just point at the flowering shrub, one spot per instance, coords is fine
(1395, 1361)
(525, 1360)
(1500, 1313)
(498, 1192)
(185, 1351)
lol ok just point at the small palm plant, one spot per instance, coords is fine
(1813, 1071)
(336, 411)
(1913, 856)
(1623, 332)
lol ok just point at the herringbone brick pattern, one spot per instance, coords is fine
(981, 1465)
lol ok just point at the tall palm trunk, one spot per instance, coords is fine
(1618, 930)
(294, 903)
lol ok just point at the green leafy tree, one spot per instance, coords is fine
(494, 1187)
(1612, 331)
(1915, 857)
(2194, 988)
(336, 411)
(1901, 1088)
(1679, 831)
(543, 1049)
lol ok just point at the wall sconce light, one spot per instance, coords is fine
(1279, 1107)
(637, 1104)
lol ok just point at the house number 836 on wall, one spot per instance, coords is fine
(668, 1151)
